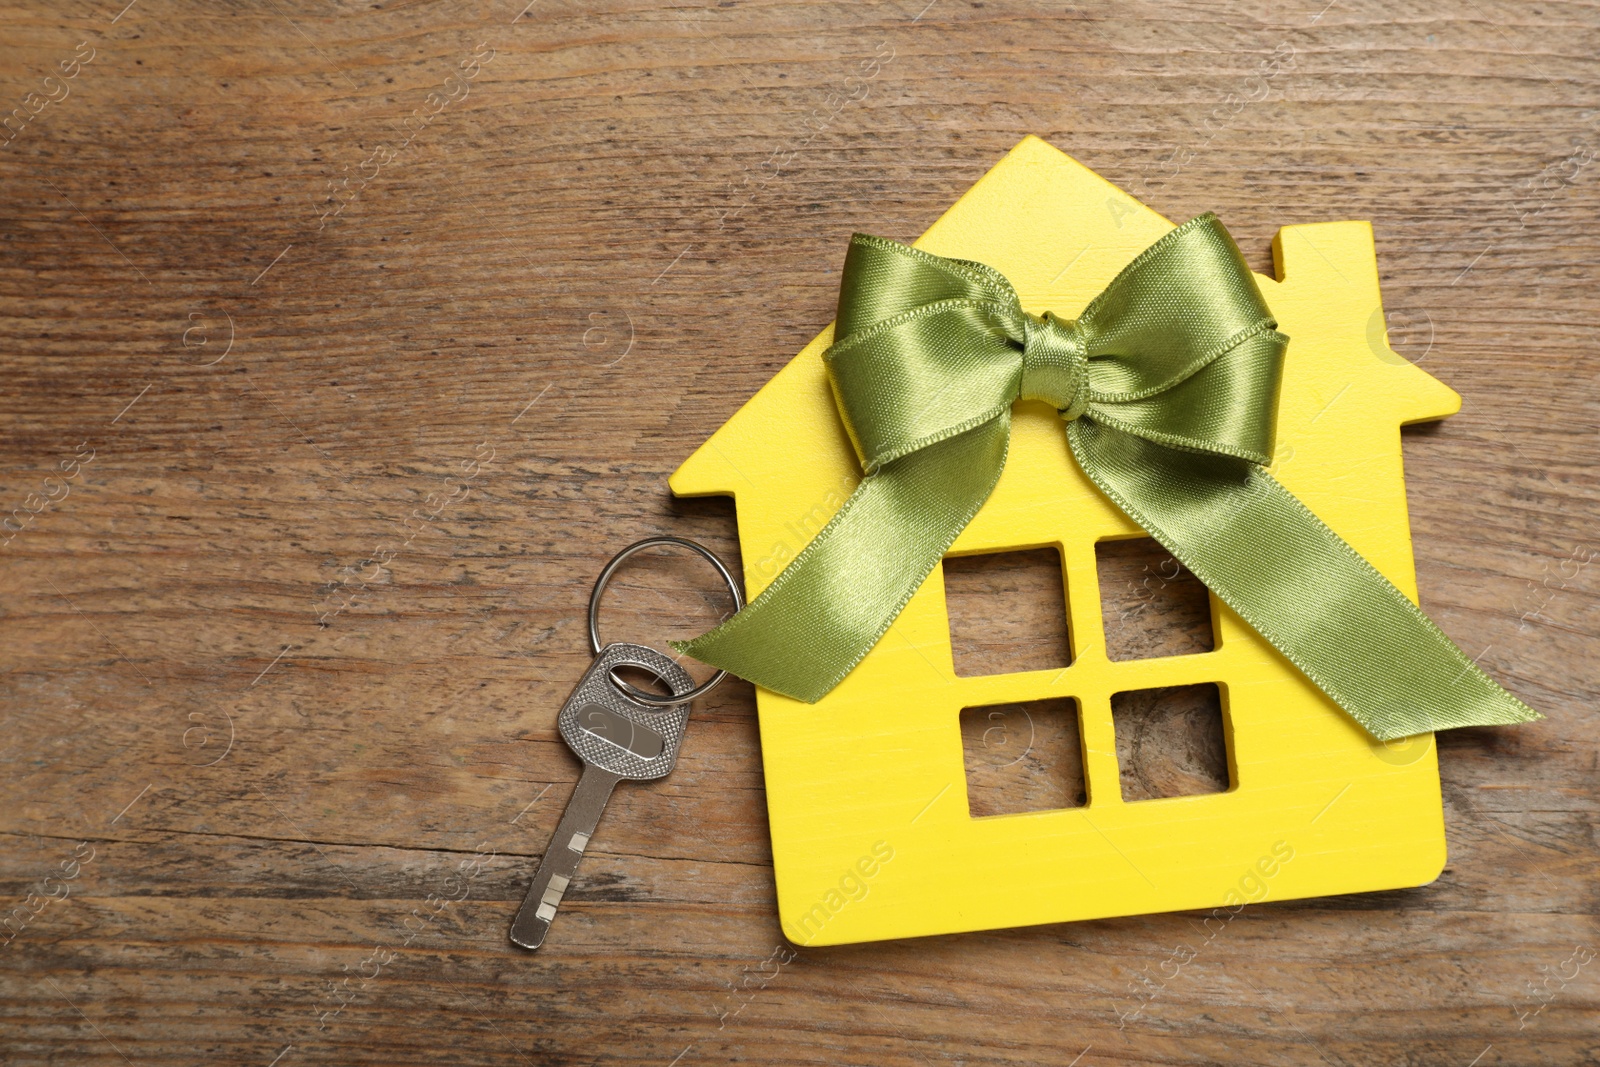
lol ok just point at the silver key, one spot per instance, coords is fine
(617, 738)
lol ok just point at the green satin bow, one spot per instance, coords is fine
(1169, 383)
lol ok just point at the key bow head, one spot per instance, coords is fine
(604, 739)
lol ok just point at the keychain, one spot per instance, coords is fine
(619, 731)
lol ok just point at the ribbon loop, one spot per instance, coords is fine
(946, 388)
(1055, 365)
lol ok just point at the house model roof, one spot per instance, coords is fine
(872, 778)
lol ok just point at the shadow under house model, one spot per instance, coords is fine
(871, 833)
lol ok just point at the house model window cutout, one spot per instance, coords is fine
(873, 835)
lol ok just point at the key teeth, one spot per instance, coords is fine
(551, 899)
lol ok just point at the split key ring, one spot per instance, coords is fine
(633, 692)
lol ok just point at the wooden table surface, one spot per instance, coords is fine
(343, 342)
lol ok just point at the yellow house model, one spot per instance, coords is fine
(871, 832)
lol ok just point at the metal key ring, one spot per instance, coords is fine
(631, 691)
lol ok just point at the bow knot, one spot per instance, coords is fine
(1055, 364)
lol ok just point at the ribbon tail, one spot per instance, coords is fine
(834, 600)
(1298, 584)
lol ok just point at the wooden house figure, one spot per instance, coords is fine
(872, 834)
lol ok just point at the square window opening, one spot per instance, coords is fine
(1150, 604)
(1008, 612)
(1023, 757)
(1171, 741)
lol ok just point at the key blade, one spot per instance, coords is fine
(560, 861)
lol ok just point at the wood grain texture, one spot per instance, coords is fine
(354, 389)
(1007, 612)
